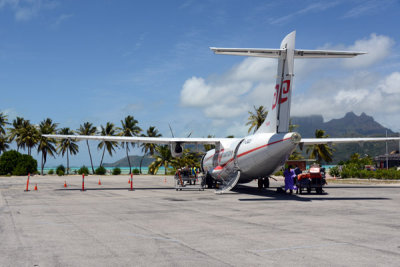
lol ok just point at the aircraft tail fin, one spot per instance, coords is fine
(277, 120)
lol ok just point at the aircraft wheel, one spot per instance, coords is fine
(266, 182)
(309, 190)
(260, 183)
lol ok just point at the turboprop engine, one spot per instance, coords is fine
(176, 150)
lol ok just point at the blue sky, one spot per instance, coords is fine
(99, 61)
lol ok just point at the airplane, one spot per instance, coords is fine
(256, 156)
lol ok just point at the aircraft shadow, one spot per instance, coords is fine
(271, 195)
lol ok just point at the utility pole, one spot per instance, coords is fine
(387, 154)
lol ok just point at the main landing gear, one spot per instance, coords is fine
(263, 183)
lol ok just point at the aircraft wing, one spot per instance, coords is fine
(316, 141)
(138, 139)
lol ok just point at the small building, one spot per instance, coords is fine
(393, 160)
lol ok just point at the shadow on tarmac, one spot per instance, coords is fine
(270, 195)
(115, 188)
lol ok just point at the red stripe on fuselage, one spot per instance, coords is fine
(254, 149)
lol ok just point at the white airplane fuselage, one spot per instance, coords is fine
(256, 156)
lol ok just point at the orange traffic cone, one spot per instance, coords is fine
(65, 183)
(35, 187)
(99, 182)
(129, 181)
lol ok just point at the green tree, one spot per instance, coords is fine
(188, 158)
(257, 118)
(88, 129)
(67, 146)
(320, 151)
(3, 123)
(46, 145)
(163, 158)
(129, 128)
(3, 143)
(149, 148)
(14, 131)
(292, 126)
(28, 136)
(109, 130)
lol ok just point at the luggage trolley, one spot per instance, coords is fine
(312, 180)
(187, 181)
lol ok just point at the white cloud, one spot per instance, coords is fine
(377, 46)
(25, 10)
(61, 19)
(368, 7)
(391, 85)
(311, 8)
(327, 87)
(233, 93)
(195, 92)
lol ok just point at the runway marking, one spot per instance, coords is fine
(156, 238)
(298, 247)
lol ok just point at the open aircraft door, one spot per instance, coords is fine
(231, 174)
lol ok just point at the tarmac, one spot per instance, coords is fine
(155, 225)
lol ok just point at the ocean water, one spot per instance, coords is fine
(124, 170)
(327, 167)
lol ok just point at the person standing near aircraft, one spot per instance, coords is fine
(289, 179)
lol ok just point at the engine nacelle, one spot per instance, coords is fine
(176, 150)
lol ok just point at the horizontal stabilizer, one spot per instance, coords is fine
(249, 52)
(325, 53)
(276, 53)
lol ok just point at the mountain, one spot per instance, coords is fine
(135, 162)
(350, 125)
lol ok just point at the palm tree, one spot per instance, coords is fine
(14, 132)
(3, 123)
(88, 129)
(27, 136)
(3, 139)
(129, 128)
(320, 151)
(109, 130)
(67, 146)
(188, 158)
(46, 145)
(147, 148)
(163, 158)
(3, 143)
(257, 118)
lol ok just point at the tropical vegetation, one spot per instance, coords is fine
(149, 148)
(320, 152)
(13, 162)
(256, 118)
(163, 158)
(108, 130)
(46, 145)
(87, 129)
(129, 128)
(83, 170)
(67, 146)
